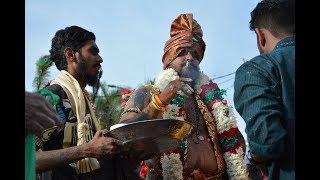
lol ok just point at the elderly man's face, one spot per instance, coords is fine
(186, 65)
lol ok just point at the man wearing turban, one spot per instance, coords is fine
(181, 91)
(185, 33)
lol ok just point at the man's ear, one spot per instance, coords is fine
(69, 54)
(261, 37)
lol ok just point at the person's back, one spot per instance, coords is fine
(285, 63)
(265, 90)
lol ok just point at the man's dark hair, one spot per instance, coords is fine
(277, 16)
(73, 37)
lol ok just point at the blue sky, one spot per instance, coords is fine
(131, 36)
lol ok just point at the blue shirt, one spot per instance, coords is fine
(264, 96)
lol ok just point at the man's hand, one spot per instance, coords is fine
(172, 89)
(104, 147)
(39, 114)
(198, 175)
(260, 164)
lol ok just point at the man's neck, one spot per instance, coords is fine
(75, 75)
(275, 40)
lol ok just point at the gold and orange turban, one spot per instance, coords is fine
(184, 32)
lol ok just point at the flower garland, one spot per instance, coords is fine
(227, 129)
(171, 164)
(125, 95)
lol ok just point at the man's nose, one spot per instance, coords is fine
(100, 60)
(189, 56)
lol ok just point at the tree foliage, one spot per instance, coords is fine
(42, 72)
(107, 105)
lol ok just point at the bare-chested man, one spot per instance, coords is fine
(182, 91)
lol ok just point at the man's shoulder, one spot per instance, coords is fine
(56, 89)
(261, 62)
(259, 66)
(275, 57)
(260, 59)
(146, 88)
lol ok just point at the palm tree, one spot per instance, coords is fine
(151, 81)
(107, 105)
(42, 72)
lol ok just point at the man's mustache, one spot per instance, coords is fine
(190, 66)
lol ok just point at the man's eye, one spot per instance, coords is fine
(95, 52)
(195, 55)
(183, 53)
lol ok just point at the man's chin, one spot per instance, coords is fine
(92, 82)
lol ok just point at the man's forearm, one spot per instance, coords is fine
(148, 113)
(47, 160)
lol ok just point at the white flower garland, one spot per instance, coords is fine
(172, 167)
(224, 123)
(236, 168)
(172, 113)
(225, 119)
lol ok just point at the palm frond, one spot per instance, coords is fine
(108, 106)
(42, 72)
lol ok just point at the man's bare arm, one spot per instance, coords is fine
(46, 160)
(140, 99)
(100, 146)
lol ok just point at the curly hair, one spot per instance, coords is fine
(73, 37)
(277, 16)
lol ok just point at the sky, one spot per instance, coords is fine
(131, 36)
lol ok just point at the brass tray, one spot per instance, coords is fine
(152, 136)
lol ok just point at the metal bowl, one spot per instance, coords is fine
(153, 136)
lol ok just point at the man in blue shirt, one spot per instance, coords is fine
(265, 90)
